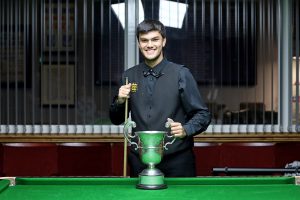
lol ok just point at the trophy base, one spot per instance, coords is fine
(151, 182)
(151, 187)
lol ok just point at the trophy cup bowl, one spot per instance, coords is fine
(151, 146)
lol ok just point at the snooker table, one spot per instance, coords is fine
(203, 188)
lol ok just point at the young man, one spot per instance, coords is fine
(164, 90)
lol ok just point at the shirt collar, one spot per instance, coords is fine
(158, 68)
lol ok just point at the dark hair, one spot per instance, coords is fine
(150, 25)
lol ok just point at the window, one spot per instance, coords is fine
(62, 61)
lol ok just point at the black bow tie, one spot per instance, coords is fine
(153, 73)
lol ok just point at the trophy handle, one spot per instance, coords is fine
(169, 136)
(127, 135)
(167, 125)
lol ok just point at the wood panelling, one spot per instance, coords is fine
(207, 157)
(106, 158)
(84, 159)
(29, 159)
(117, 156)
(260, 155)
(286, 152)
(1, 160)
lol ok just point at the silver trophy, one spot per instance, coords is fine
(151, 146)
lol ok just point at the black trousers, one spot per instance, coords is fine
(179, 164)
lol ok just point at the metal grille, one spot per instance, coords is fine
(62, 60)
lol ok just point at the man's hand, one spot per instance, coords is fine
(177, 129)
(124, 92)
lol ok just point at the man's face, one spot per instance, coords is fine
(151, 45)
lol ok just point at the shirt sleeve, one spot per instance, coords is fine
(198, 116)
(117, 111)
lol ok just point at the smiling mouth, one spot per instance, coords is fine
(150, 51)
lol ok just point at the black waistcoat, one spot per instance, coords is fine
(151, 112)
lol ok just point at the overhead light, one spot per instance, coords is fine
(172, 13)
(119, 10)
